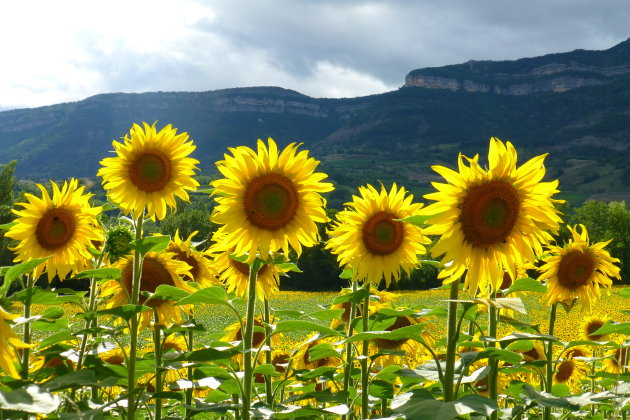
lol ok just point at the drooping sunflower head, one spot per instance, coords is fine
(491, 220)
(370, 237)
(617, 359)
(157, 269)
(269, 200)
(578, 270)
(202, 270)
(62, 226)
(151, 169)
(571, 372)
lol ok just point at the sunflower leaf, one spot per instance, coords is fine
(611, 327)
(125, 311)
(526, 284)
(214, 295)
(415, 220)
(30, 399)
(17, 270)
(150, 244)
(7, 226)
(168, 292)
(100, 273)
(404, 333)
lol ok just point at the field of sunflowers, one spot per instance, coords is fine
(523, 327)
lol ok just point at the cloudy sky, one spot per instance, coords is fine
(66, 50)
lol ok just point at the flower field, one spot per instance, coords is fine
(527, 324)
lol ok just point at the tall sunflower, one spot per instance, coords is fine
(202, 270)
(370, 237)
(8, 357)
(151, 169)
(62, 226)
(269, 200)
(578, 269)
(157, 268)
(491, 220)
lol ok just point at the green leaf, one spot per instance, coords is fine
(53, 313)
(381, 389)
(17, 270)
(415, 220)
(83, 377)
(289, 266)
(56, 338)
(30, 399)
(560, 390)
(46, 297)
(7, 226)
(548, 400)
(209, 354)
(356, 297)
(624, 293)
(214, 295)
(526, 284)
(327, 314)
(419, 404)
(168, 292)
(500, 354)
(413, 332)
(514, 304)
(50, 324)
(322, 351)
(100, 273)
(297, 325)
(611, 327)
(150, 244)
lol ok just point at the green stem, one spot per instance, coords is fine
(247, 340)
(133, 339)
(26, 338)
(347, 373)
(365, 374)
(492, 361)
(157, 343)
(189, 391)
(451, 342)
(266, 316)
(549, 356)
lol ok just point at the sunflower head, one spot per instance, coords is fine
(268, 200)
(493, 220)
(62, 226)
(592, 324)
(371, 238)
(571, 372)
(150, 169)
(578, 270)
(617, 359)
(202, 270)
(117, 242)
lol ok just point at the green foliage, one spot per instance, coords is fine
(188, 219)
(605, 221)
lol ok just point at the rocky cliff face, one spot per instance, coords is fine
(550, 73)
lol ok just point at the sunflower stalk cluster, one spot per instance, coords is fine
(138, 343)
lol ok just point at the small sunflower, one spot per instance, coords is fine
(151, 169)
(8, 357)
(370, 237)
(157, 268)
(592, 324)
(201, 269)
(235, 274)
(62, 226)
(491, 220)
(570, 372)
(578, 270)
(269, 201)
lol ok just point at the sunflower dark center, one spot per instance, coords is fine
(191, 261)
(153, 274)
(271, 201)
(489, 213)
(116, 359)
(565, 371)
(401, 321)
(575, 269)
(55, 229)
(382, 235)
(150, 171)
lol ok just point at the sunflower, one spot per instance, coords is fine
(62, 226)
(570, 372)
(379, 297)
(491, 220)
(269, 201)
(592, 324)
(235, 274)
(8, 357)
(151, 168)
(370, 237)
(201, 268)
(157, 268)
(617, 359)
(301, 359)
(578, 269)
